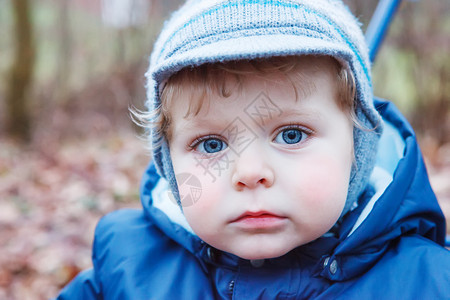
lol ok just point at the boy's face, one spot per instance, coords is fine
(273, 170)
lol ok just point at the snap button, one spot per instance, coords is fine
(211, 254)
(257, 263)
(333, 267)
(231, 286)
(325, 262)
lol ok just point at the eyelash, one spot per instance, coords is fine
(301, 128)
(201, 138)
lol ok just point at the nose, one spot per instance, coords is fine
(252, 169)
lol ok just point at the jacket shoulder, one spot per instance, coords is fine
(413, 268)
(416, 256)
(124, 233)
(119, 221)
(84, 286)
(134, 258)
(417, 267)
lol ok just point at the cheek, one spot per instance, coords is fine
(323, 183)
(204, 215)
(201, 214)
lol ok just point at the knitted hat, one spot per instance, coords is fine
(217, 31)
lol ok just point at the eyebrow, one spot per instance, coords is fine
(304, 113)
(289, 113)
(199, 122)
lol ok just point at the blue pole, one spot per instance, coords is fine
(379, 24)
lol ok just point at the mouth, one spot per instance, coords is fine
(259, 220)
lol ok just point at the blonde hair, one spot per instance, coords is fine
(199, 83)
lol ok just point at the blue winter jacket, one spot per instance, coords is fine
(389, 247)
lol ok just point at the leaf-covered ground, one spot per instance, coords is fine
(52, 196)
(51, 200)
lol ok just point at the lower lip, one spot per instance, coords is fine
(260, 222)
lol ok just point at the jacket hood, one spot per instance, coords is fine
(398, 202)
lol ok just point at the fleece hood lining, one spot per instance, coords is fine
(391, 150)
(164, 201)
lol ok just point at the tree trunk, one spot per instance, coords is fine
(21, 72)
(64, 55)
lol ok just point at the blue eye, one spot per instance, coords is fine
(290, 136)
(211, 145)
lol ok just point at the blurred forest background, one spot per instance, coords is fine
(69, 153)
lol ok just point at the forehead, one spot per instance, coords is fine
(198, 86)
(257, 96)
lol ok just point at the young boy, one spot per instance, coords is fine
(286, 181)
